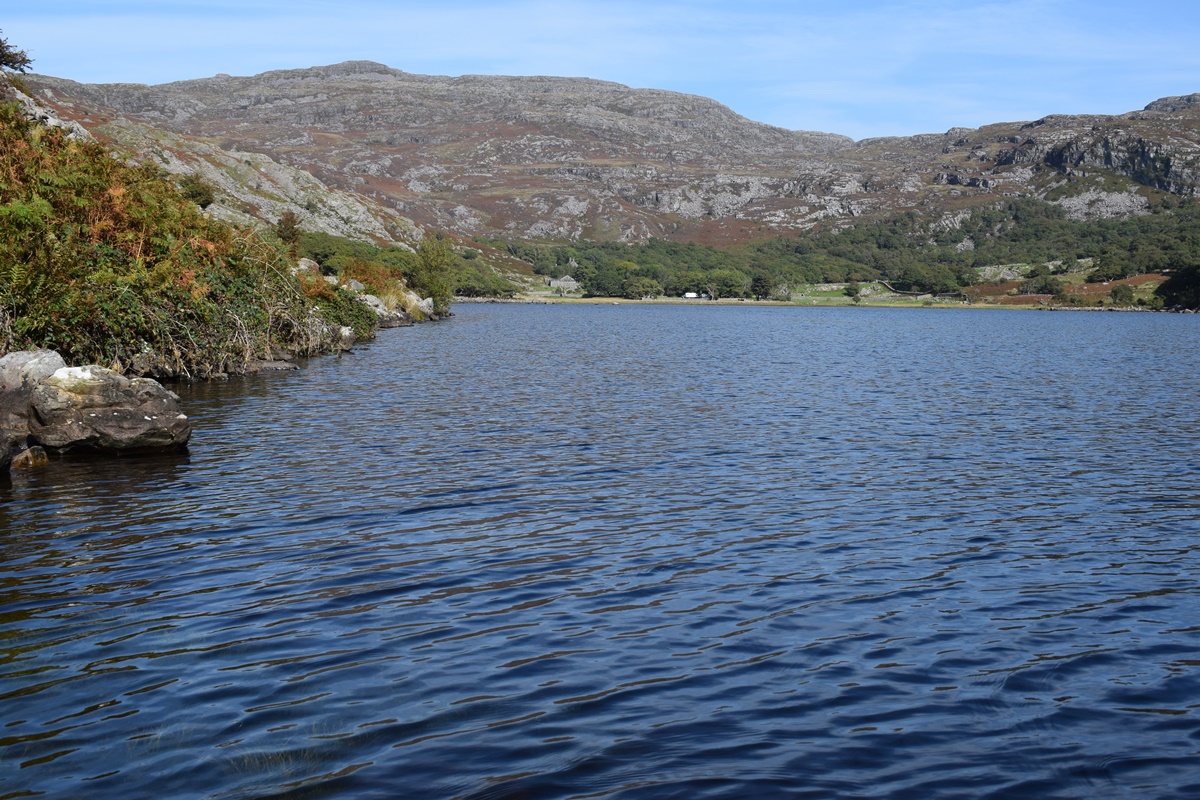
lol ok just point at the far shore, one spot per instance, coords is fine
(808, 302)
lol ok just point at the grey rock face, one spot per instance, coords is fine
(25, 369)
(39, 113)
(93, 407)
(387, 318)
(1174, 104)
(19, 373)
(1103, 205)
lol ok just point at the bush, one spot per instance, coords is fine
(198, 190)
(339, 307)
(109, 263)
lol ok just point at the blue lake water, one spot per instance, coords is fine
(633, 552)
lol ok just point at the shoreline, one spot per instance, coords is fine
(532, 300)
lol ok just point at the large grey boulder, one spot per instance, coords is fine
(96, 408)
(19, 373)
(387, 318)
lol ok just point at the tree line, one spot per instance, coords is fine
(908, 251)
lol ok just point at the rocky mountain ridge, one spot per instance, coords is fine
(363, 149)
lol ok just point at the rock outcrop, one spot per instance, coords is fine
(33, 458)
(37, 112)
(96, 408)
(388, 318)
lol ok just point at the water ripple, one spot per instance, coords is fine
(632, 553)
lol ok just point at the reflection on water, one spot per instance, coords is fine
(633, 552)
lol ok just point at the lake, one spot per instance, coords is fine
(633, 551)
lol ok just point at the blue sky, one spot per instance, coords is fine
(866, 68)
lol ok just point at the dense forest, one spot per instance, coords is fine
(909, 252)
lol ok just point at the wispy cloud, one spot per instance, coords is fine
(868, 68)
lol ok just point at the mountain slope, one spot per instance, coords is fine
(568, 158)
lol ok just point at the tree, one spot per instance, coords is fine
(11, 58)
(641, 288)
(725, 283)
(288, 228)
(1042, 284)
(761, 285)
(431, 274)
(1121, 294)
(1107, 268)
(1182, 288)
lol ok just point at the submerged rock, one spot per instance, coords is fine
(270, 365)
(33, 458)
(96, 408)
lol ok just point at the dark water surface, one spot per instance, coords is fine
(633, 552)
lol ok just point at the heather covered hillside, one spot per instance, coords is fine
(572, 159)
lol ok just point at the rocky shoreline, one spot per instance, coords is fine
(47, 407)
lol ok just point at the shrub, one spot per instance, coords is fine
(109, 263)
(198, 190)
(1121, 294)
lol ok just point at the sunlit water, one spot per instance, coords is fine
(633, 552)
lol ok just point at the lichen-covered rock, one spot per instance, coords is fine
(37, 112)
(420, 307)
(19, 373)
(1097, 204)
(388, 318)
(96, 408)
